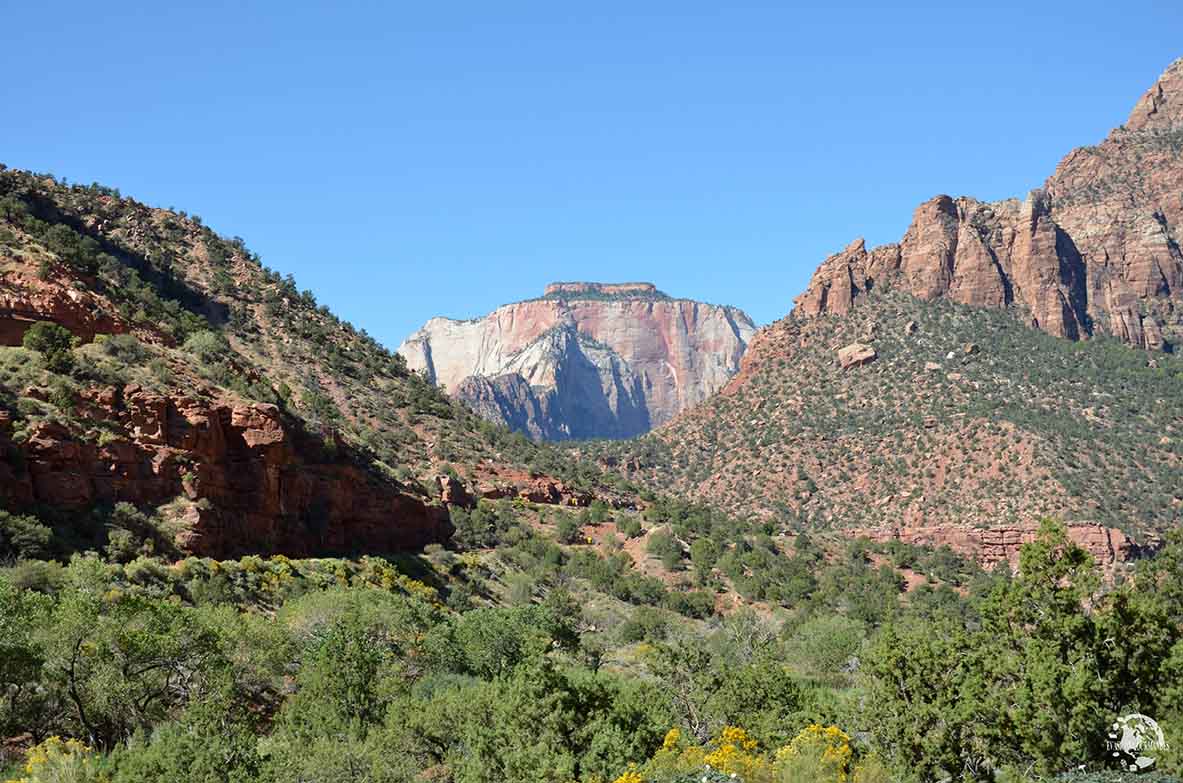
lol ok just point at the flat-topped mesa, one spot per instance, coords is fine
(601, 289)
(587, 360)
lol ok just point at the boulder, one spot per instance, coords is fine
(855, 355)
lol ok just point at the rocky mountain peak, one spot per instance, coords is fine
(1095, 251)
(1161, 108)
(587, 360)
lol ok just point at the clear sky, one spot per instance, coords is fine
(405, 160)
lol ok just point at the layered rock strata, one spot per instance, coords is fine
(1096, 250)
(589, 360)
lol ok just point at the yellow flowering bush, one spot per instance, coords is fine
(735, 753)
(673, 738)
(732, 752)
(819, 754)
(58, 761)
(631, 776)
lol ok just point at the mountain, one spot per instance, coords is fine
(1095, 251)
(985, 372)
(586, 360)
(167, 368)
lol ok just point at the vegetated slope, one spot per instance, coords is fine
(586, 360)
(965, 418)
(1095, 251)
(254, 419)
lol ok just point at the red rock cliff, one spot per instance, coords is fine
(1096, 251)
(992, 546)
(270, 488)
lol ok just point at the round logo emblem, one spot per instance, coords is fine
(1133, 740)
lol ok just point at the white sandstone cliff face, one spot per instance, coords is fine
(600, 362)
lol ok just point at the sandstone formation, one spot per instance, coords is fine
(77, 310)
(995, 545)
(856, 354)
(1095, 251)
(588, 360)
(253, 480)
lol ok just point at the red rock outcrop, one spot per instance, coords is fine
(79, 311)
(268, 487)
(1094, 251)
(992, 546)
(539, 489)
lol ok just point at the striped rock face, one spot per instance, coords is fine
(585, 361)
(1095, 251)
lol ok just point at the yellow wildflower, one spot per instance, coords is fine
(672, 738)
(630, 776)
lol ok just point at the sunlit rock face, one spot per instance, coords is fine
(1096, 250)
(587, 360)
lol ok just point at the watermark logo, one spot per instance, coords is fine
(1134, 740)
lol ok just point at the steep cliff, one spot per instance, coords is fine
(587, 360)
(1095, 251)
(237, 477)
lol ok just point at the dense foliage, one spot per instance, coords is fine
(327, 670)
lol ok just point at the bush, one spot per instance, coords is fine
(569, 531)
(629, 527)
(124, 347)
(54, 342)
(207, 346)
(645, 624)
(827, 645)
(23, 536)
(664, 546)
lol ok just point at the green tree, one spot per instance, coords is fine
(54, 342)
(24, 703)
(21, 535)
(926, 702)
(213, 741)
(1043, 668)
(125, 662)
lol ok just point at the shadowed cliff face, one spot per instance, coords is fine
(594, 394)
(587, 361)
(249, 479)
(1095, 251)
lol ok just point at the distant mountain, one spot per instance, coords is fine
(906, 395)
(586, 360)
(1095, 251)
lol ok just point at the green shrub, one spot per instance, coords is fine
(125, 348)
(207, 346)
(54, 342)
(23, 536)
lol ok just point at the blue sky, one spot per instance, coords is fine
(405, 160)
